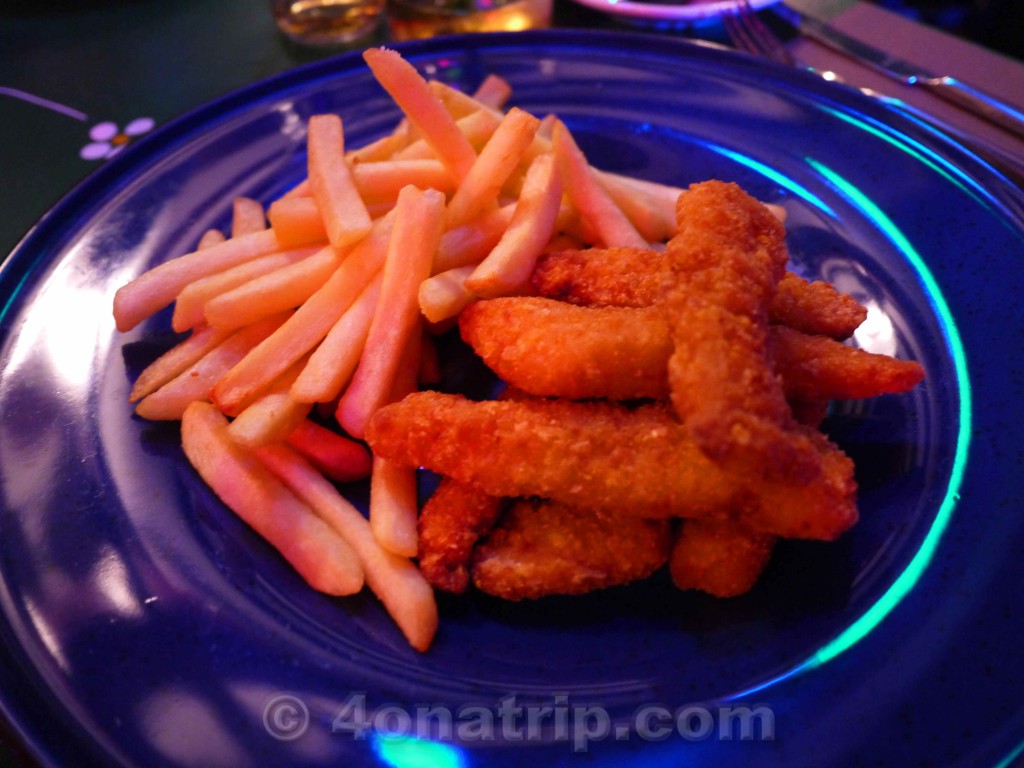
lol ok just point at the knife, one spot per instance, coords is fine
(949, 88)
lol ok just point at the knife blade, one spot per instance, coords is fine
(947, 87)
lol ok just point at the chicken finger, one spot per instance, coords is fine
(603, 455)
(635, 277)
(622, 353)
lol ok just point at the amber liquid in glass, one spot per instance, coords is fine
(415, 19)
(327, 22)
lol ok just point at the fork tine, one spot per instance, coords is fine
(749, 33)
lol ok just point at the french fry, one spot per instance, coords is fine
(395, 580)
(382, 181)
(247, 216)
(272, 416)
(383, 148)
(394, 506)
(175, 360)
(393, 494)
(587, 194)
(299, 190)
(156, 288)
(297, 221)
(332, 363)
(210, 237)
(653, 215)
(319, 554)
(272, 292)
(507, 268)
(196, 382)
(479, 190)
(339, 458)
(572, 224)
(493, 91)
(423, 109)
(189, 307)
(477, 128)
(459, 103)
(417, 231)
(442, 296)
(468, 244)
(332, 185)
(310, 323)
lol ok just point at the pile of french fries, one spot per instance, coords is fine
(326, 302)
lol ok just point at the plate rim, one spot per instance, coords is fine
(698, 10)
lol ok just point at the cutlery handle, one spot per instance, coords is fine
(978, 102)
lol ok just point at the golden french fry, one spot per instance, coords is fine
(468, 244)
(442, 296)
(210, 237)
(196, 382)
(423, 109)
(273, 292)
(394, 507)
(247, 215)
(310, 323)
(587, 194)
(653, 215)
(479, 190)
(507, 268)
(319, 554)
(493, 91)
(189, 307)
(175, 360)
(272, 416)
(458, 103)
(395, 580)
(417, 231)
(332, 185)
(382, 181)
(383, 148)
(339, 458)
(476, 128)
(332, 364)
(156, 288)
(297, 221)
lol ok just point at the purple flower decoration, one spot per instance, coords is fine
(108, 139)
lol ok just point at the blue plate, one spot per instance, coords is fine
(145, 625)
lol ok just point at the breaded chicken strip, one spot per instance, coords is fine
(721, 558)
(601, 455)
(725, 260)
(544, 548)
(451, 522)
(555, 349)
(813, 367)
(551, 348)
(634, 277)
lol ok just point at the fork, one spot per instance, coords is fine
(748, 32)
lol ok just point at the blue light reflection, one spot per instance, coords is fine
(912, 573)
(410, 752)
(770, 173)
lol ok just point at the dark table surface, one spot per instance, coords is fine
(48, 105)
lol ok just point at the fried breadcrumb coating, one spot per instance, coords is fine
(544, 548)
